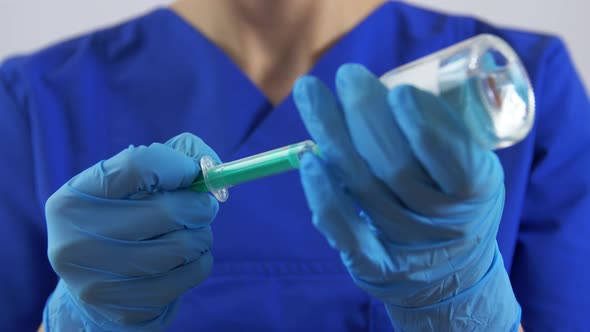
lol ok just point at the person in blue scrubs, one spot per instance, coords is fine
(133, 247)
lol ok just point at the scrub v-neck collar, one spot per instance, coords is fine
(326, 56)
(249, 107)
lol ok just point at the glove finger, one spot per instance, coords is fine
(137, 170)
(335, 216)
(136, 300)
(325, 123)
(73, 217)
(378, 139)
(443, 145)
(192, 146)
(134, 258)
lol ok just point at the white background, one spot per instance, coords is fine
(26, 25)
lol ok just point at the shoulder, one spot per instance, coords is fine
(426, 24)
(65, 97)
(83, 55)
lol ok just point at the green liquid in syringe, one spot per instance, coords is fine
(251, 168)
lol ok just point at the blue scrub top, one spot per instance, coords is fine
(66, 107)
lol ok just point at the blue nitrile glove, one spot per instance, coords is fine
(430, 202)
(127, 240)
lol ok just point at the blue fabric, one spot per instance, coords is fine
(66, 107)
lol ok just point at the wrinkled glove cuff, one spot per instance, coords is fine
(62, 313)
(489, 305)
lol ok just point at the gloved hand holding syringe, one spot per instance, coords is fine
(482, 78)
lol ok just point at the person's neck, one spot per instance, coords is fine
(274, 41)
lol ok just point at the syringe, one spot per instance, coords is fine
(217, 178)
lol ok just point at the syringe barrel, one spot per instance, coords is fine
(259, 166)
(215, 178)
